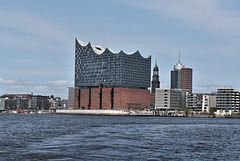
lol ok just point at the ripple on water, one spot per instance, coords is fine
(73, 137)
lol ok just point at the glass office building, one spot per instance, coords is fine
(95, 65)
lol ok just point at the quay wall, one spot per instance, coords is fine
(93, 112)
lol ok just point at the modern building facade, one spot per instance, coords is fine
(2, 104)
(94, 64)
(194, 101)
(169, 99)
(181, 77)
(201, 102)
(209, 101)
(25, 102)
(227, 99)
(103, 78)
(71, 97)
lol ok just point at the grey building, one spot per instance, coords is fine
(227, 99)
(2, 104)
(169, 99)
(39, 102)
(194, 101)
(209, 101)
(95, 64)
(71, 97)
(198, 101)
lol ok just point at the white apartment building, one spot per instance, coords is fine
(208, 102)
(227, 99)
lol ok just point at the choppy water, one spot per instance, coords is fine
(75, 137)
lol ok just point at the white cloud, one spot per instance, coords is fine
(3, 81)
(57, 87)
(208, 15)
(209, 88)
(60, 83)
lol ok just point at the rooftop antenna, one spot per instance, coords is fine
(179, 56)
(156, 61)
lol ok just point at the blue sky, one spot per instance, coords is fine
(37, 39)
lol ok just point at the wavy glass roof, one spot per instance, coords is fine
(99, 49)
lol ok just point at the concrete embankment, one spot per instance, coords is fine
(93, 112)
(105, 112)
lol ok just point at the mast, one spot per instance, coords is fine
(179, 56)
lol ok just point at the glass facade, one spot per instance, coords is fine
(175, 79)
(94, 65)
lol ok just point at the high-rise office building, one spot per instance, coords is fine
(181, 77)
(108, 80)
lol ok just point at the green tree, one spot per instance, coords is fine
(187, 110)
(211, 111)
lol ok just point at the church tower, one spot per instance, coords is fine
(155, 78)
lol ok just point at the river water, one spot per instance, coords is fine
(77, 137)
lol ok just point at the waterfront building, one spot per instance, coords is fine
(181, 77)
(169, 99)
(58, 103)
(209, 101)
(2, 104)
(25, 101)
(39, 102)
(112, 80)
(227, 99)
(200, 102)
(194, 101)
(71, 97)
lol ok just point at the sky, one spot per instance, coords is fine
(37, 39)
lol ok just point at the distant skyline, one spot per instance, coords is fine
(37, 39)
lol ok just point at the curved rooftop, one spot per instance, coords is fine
(99, 49)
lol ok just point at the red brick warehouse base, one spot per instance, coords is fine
(119, 98)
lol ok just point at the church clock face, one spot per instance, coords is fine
(154, 78)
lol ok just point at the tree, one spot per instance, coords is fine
(211, 111)
(187, 110)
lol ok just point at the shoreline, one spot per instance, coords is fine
(119, 112)
(132, 113)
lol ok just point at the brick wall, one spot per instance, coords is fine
(124, 98)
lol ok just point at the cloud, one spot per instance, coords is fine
(60, 83)
(57, 87)
(208, 15)
(209, 88)
(3, 81)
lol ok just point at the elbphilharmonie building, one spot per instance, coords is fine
(105, 79)
(95, 64)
